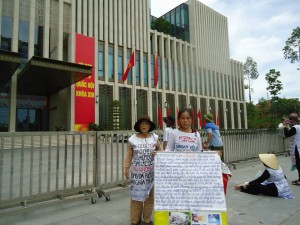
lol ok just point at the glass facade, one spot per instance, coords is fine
(125, 106)
(167, 87)
(101, 61)
(129, 78)
(23, 38)
(142, 103)
(120, 64)
(179, 18)
(105, 106)
(110, 63)
(146, 84)
(137, 69)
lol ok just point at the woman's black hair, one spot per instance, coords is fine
(189, 110)
(185, 110)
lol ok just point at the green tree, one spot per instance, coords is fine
(162, 25)
(250, 74)
(252, 115)
(291, 50)
(275, 85)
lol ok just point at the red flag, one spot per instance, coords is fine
(219, 119)
(178, 122)
(130, 65)
(169, 110)
(156, 74)
(200, 118)
(160, 117)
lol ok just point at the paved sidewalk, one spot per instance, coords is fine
(243, 209)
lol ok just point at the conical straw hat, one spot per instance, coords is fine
(270, 160)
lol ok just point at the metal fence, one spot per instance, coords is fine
(40, 166)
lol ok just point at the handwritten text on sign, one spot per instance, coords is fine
(188, 181)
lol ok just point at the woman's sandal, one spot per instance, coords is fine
(296, 182)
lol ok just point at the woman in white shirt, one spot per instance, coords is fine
(139, 166)
(185, 138)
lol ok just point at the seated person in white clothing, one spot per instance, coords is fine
(272, 182)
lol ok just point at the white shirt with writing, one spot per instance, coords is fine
(184, 142)
(142, 166)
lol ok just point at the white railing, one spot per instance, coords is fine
(39, 166)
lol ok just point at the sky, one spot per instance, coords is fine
(258, 29)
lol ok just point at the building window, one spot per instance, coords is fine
(173, 75)
(182, 101)
(6, 33)
(129, 77)
(146, 84)
(205, 84)
(156, 102)
(110, 63)
(125, 101)
(142, 102)
(120, 64)
(38, 40)
(23, 38)
(159, 73)
(101, 61)
(6, 24)
(184, 78)
(178, 78)
(105, 106)
(137, 69)
(190, 80)
(167, 75)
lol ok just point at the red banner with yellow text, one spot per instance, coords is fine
(85, 89)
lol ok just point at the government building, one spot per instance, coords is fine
(62, 64)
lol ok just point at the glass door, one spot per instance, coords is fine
(26, 120)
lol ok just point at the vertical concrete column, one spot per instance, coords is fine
(96, 33)
(13, 87)
(72, 52)
(85, 17)
(31, 29)
(60, 24)
(46, 36)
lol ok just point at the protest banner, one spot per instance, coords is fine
(189, 189)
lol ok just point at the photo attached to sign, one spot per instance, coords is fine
(191, 218)
(176, 218)
(207, 218)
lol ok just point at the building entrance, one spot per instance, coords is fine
(28, 120)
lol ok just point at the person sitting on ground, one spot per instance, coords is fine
(272, 182)
(170, 122)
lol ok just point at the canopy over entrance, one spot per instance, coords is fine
(44, 77)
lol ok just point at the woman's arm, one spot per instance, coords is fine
(289, 132)
(128, 160)
(262, 178)
(158, 146)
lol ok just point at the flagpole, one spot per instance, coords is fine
(134, 89)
